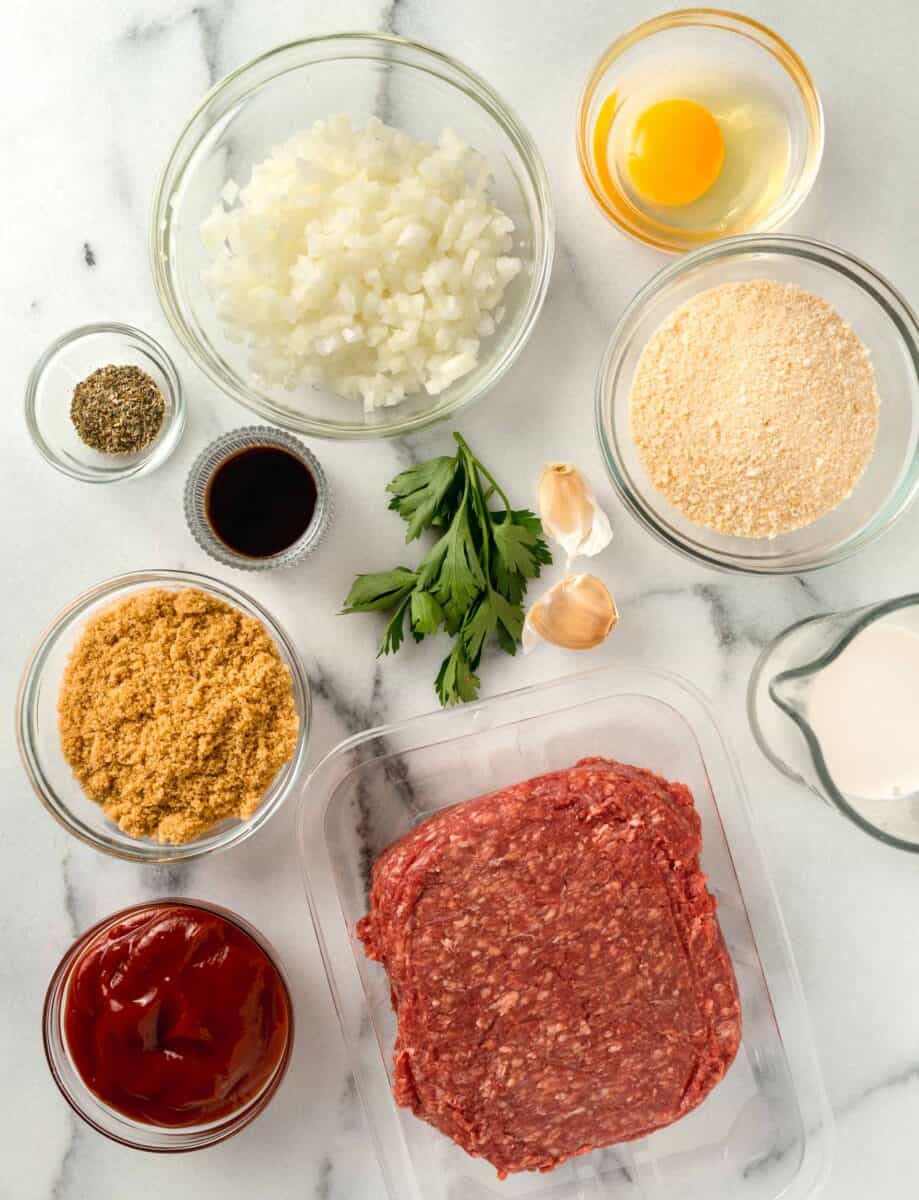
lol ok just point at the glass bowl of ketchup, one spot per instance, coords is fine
(169, 1025)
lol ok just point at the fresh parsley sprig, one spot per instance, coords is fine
(471, 582)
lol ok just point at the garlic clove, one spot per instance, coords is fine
(569, 512)
(577, 613)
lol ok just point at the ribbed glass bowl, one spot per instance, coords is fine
(879, 315)
(49, 392)
(39, 742)
(196, 491)
(283, 92)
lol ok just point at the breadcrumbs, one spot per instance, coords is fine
(176, 712)
(754, 408)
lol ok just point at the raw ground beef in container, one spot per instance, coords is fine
(556, 965)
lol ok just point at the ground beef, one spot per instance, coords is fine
(556, 965)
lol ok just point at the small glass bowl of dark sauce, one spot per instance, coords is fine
(257, 498)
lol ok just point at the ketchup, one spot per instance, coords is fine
(175, 1016)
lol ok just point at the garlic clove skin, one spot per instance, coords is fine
(569, 512)
(577, 613)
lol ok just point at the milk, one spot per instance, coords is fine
(864, 710)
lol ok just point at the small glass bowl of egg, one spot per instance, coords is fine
(699, 125)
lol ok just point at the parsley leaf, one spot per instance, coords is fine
(461, 577)
(492, 615)
(456, 681)
(420, 492)
(395, 629)
(472, 580)
(427, 615)
(507, 643)
(510, 616)
(478, 628)
(380, 592)
(521, 551)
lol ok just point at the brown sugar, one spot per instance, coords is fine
(175, 712)
(754, 408)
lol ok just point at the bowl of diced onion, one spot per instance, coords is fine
(353, 236)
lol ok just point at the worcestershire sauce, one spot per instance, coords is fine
(260, 501)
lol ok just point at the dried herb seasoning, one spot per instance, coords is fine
(117, 409)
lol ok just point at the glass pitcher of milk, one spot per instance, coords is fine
(834, 703)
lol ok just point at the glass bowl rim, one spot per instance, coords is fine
(150, 457)
(732, 22)
(196, 518)
(30, 686)
(840, 262)
(229, 1125)
(438, 64)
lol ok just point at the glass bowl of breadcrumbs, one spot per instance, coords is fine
(163, 715)
(757, 406)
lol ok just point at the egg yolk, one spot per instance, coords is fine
(676, 152)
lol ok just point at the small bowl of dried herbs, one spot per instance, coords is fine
(104, 403)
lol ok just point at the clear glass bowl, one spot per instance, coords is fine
(709, 40)
(766, 1129)
(49, 392)
(879, 315)
(116, 1125)
(218, 452)
(285, 91)
(39, 743)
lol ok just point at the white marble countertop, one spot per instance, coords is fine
(93, 93)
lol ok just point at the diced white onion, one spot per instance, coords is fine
(361, 259)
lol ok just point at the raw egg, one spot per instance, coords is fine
(676, 152)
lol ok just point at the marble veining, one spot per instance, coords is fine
(95, 92)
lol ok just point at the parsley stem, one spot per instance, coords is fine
(461, 442)
(480, 508)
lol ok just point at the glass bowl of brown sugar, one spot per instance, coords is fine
(104, 403)
(194, 779)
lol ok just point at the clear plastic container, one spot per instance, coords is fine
(765, 1131)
